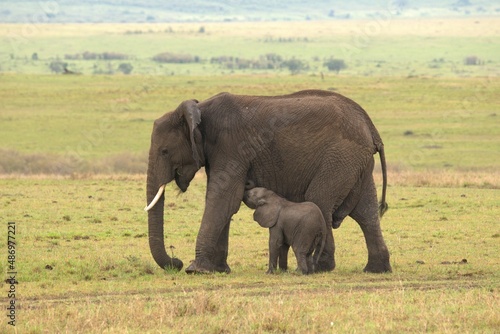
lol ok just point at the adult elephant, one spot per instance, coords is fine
(312, 145)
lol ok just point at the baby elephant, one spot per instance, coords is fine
(300, 225)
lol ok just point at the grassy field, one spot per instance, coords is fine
(84, 124)
(381, 46)
(84, 266)
(73, 157)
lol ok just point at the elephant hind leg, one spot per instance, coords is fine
(310, 264)
(366, 215)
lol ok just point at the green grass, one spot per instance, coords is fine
(84, 265)
(102, 124)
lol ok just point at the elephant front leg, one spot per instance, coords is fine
(213, 238)
(222, 251)
(211, 259)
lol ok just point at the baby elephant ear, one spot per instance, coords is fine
(266, 214)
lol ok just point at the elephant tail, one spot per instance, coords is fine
(383, 207)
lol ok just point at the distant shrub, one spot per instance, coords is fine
(167, 57)
(295, 65)
(472, 60)
(57, 66)
(125, 68)
(335, 65)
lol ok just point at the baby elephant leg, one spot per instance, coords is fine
(283, 257)
(274, 252)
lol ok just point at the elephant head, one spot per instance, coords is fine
(176, 153)
(266, 205)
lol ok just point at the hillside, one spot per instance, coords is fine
(92, 11)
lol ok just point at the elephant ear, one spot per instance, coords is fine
(192, 117)
(266, 213)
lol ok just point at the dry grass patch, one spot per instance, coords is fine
(482, 178)
(90, 269)
(338, 308)
(385, 25)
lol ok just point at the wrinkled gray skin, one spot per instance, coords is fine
(299, 225)
(314, 146)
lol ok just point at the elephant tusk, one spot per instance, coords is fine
(157, 197)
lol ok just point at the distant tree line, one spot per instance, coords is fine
(268, 61)
(285, 39)
(274, 61)
(59, 66)
(168, 57)
(87, 55)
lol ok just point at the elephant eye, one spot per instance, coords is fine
(164, 151)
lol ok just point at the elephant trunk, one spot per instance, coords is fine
(155, 229)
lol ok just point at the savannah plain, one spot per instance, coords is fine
(73, 154)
